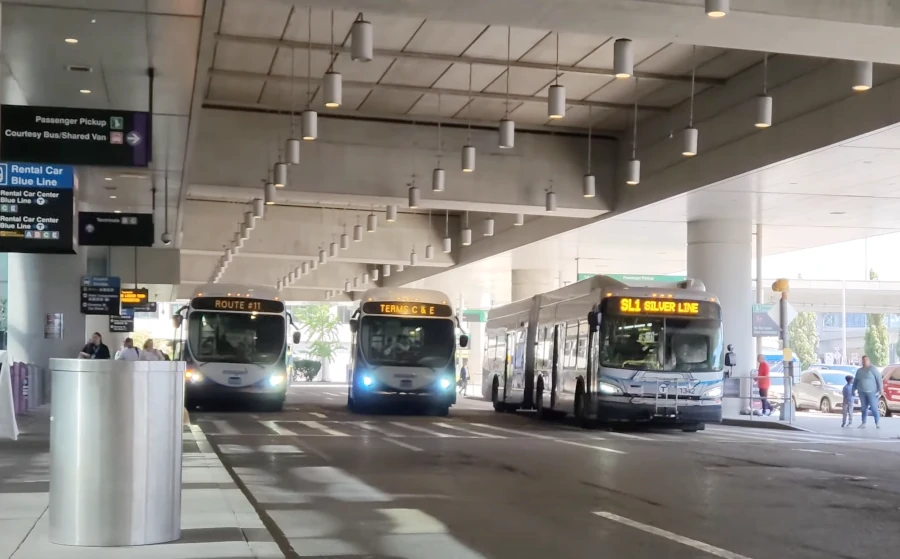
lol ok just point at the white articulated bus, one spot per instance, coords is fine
(235, 346)
(404, 350)
(601, 350)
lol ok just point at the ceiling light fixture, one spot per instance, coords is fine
(84, 91)
(117, 211)
(489, 227)
(279, 171)
(556, 101)
(400, 267)
(269, 193)
(386, 270)
(258, 208)
(466, 233)
(413, 257)
(447, 243)
(862, 75)
(332, 84)
(345, 239)
(764, 101)
(71, 40)
(589, 182)
(309, 119)
(347, 286)
(112, 196)
(305, 268)
(371, 223)
(633, 168)
(361, 40)
(623, 59)
(415, 194)
(438, 175)
(429, 249)
(376, 273)
(520, 220)
(691, 134)
(391, 213)
(323, 257)
(365, 278)
(550, 199)
(357, 230)
(333, 250)
(468, 151)
(717, 8)
(107, 178)
(292, 145)
(313, 264)
(507, 130)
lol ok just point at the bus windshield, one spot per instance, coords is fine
(236, 337)
(421, 342)
(678, 345)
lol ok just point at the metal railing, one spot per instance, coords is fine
(781, 405)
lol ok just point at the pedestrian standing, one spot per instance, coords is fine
(847, 410)
(867, 384)
(463, 379)
(763, 383)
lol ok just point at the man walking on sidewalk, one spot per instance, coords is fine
(867, 384)
(763, 383)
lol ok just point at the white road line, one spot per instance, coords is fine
(630, 436)
(224, 428)
(403, 444)
(235, 449)
(812, 450)
(598, 438)
(328, 398)
(601, 448)
(317, 414)
(705, 547)
(513, 431)
(323, 428)
(280, 449)
(424, 430)
(469, 431)
(370, 427)
(277, 429)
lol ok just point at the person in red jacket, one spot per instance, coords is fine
(763, 382)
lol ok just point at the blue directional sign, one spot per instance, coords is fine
(100, 295)
(36, 207)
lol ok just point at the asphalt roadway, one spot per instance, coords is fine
(479, 484)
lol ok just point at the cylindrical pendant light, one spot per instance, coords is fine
(292, 149)
(365, 278)
(550, 201)
(333, 250)
(415, 196)
(623, 58)
(304, 268)
(633, 172)
(357, 233)
(371, 223)
(361, 40)
(400, 267)
(763, 111)
(520, 220)
(245, 232)
(468, 159)
(862, 75)
(238, 240)
(332, 90)
(489, 227)
(390, 214)
(438, 178)
(259, 208)
(347, 286)
(269, 193)
(313, 264)
(309, 124)
(507, 134)
(292, 276)
(429, 252)
(556, 102)
(280, 174)
(278, 285)
(689, 142)
(376, 273)
(323, 257)
(717, 8)
(466, 237)
(249, 220)
(386, 270)
(447, 245)
(229, 255)
(356, 282)
(413, 258)
(345, 241)
(589, 186)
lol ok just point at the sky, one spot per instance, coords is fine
(849, 260)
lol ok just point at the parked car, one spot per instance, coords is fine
(889, 403)
(821, 389)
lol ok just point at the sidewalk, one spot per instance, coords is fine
(828, 424)
(217, 519)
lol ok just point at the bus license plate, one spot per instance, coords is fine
(236, 381)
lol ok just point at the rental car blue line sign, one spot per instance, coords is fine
(37, 208)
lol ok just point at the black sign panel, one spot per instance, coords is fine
(662, 307)
(36, 207)
(100, 295)
(132, 298)
(112, 229)
(121, 323)
(75, 136)
(406, 308)
(237, 304)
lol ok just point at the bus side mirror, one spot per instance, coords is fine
(177, 320)
(593, 320)
(354, 325)
(296, 337)
(464, 341)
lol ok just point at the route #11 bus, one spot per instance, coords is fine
(404, 350)
(601, 350)
(235, 346)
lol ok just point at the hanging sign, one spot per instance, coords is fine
(36, 208)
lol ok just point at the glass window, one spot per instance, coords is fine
(662, 344)
(896, 375)
(581, 350)
(519, 357)
(236, 337)
(426, 342)
(835, 379)
(807, 378)
(571, 344)
(539, 349)
(500, 356)
(489, 353)
(857, 320)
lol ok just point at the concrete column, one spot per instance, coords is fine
(41, 284)
(719, 253)
(476, 355)
(528, 283)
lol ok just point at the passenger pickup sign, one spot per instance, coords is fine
(237, 304)
(406, 308)
(656, 306)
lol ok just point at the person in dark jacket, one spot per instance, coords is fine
(95, 348)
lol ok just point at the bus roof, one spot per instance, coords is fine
(406, 294)
(237, 290)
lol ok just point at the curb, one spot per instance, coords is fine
(764, 425)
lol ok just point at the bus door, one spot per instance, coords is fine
(554, 367)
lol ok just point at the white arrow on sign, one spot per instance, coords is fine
(775, 314)
(133, 138)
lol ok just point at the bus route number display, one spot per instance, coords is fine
(636, 305)
(404, 308)
(237, 304)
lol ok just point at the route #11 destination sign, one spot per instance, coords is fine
(37, 208)
(75, 136)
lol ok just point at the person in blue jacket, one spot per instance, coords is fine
(867, 384)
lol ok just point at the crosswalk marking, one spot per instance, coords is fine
(235, 449)
(317, 414)
(630, 436)
(424, 430)
(370, 427)
(514, 432)
(404, 445)
(280, 449)
(277, 429)
(323, 428)
(600, 448)
(224, 428)
(469, 431)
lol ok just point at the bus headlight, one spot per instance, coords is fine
(715, 392)
(193, 376)
(609, 389)
(446, 383)
(276, 380)
(367, 380)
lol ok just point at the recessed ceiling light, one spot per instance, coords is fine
(838, 213)
(93, 20)
(71, 40)
(117, 211)
(112, 196)
(107, 178)
(85, 91)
